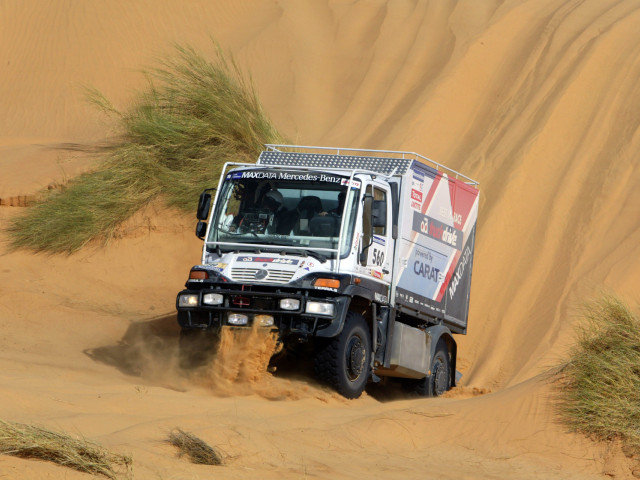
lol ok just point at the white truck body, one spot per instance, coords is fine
(389, 242)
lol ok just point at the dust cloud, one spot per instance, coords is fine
(241, 360)
(235, 363)
(240, 366)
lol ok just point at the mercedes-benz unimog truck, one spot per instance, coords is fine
(362, 257)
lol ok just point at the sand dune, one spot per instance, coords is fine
(539, 100)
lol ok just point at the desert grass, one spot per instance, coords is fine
(197, 450)
(599, 391)
(33, 442)
(194, 116)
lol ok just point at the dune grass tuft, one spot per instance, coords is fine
(196, 449)
(28, 441)
(193, 116)
(600, 384)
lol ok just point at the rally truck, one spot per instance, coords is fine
(362, 257)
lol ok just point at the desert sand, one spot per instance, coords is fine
(537, 99)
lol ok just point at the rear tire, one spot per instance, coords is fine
(344, 361)
(196, 347)
(439, 382)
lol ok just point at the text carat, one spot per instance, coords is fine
(427, 271)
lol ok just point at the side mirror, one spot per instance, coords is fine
(379, 213)
(204, 205)
(201, 229)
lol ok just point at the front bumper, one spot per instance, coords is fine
(265, 301)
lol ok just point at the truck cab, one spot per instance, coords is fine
(308, 242)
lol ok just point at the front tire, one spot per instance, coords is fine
(344, 361)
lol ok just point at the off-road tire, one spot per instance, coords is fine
(439, 381)
(196, 347)
(344, 362)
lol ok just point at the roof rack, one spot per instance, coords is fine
(387, 162)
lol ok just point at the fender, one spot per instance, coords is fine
(336, 326)
(370, 289)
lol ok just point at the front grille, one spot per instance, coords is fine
(252, 302)
(249, 275)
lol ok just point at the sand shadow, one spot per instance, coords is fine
(147, 348)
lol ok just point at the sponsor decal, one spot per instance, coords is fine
(379, 240)
(218, 267)
(326, 288)
(417, 190)
(424, 255)
(423, 265)
(378, 297)
(281, 261)
(437, 230)
(427, 271)
(294, 176)
(352, 183)
(356, 239)
(418, 300)
(363, 270)
(446, 212)
(377, 274)
(466, 256)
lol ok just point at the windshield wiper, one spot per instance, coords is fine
(313, 254)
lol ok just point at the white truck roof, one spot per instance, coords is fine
(385, 162)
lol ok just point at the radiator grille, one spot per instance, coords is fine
(249, 275)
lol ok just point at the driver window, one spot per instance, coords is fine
(366, 227)
(379, 194)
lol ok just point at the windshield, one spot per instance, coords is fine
(296, 209)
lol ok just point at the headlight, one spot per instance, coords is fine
(237, 319)
(264, 320)
(212, 299)
(320, 308)
(289, 304)
(188, 300)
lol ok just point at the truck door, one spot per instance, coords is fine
(377, 243)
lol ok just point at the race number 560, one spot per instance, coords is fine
(378, 257)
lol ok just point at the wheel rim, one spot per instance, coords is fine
(441, 379)
(355, 357)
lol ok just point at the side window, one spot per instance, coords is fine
(366, 229)
(379, 194)
(235, 199)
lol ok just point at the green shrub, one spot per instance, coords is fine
(600, 384)
(194, 116)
